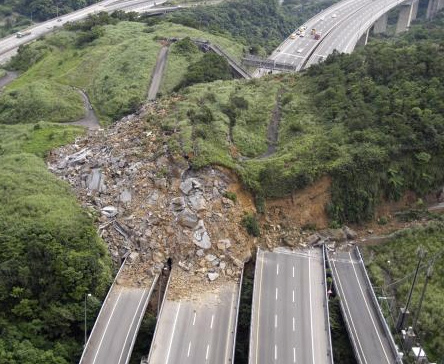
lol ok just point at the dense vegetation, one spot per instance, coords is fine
(259, 24)
(392, 265)
(50, 255)
(373, 120)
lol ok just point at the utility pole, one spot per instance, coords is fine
(428, 276)
(404, 311)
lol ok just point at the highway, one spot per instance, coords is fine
(9, 45)
(198, 330)
(289, 322)
(370, 342)
(116, 327)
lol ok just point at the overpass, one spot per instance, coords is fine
(368, 331)
(340, 27)
(289, 317)
(114, 333)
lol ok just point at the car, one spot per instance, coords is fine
(293, 36)
(302, 34)
(322, 19)
(334, 15)
(299, 50)
(59, 19)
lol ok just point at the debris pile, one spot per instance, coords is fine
(150, 206)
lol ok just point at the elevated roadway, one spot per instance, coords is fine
(115, 330)
(368, 331)
(289, 320)
(9, 45)
(197, 329)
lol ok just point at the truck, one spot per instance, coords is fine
(23, 34)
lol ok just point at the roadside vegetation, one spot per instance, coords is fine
(50, 255)
(391, 266)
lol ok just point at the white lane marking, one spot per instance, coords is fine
(294, 326)
(276, 293)
(277, 269)
(172, 335)
(293, 271)
(311, 311)
(194, 318)
(259, 308)
(208, 349)
(189, 349)
(106, 327)
(349, 314)
(293, 296)
(294, 355)
(275, 352)
(368, 309)
(131, 325)
(275, 320)
(212, 320)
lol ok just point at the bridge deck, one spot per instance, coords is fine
(371, 341)
(289, 317)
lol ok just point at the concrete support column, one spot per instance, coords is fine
(381, 24)
(364, 39)
(405, 17)
(433, 7)
(415, 9)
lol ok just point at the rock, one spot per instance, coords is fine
(133, 257)
(222, 265)
(227, 202)
(210, 257)
(178, 203)
(76, 158)
(213, 276)
(188, 218)
(152, 198)
(125, 196)
(336, 235)
(158, 257)
(197, 202)
(223, 244)
(237, 262)
(229, 272)
(313, 239)
(190, 184)
(288, 241)
(201, 237)
(349, 233)
(161, 183)
(109, 211)
(200, 253)
(96, 181)
(184, 266)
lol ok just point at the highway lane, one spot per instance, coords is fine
(367, 335)
(289, 323)
(198, 330)
(115, 331)
(345, 37)
(9, 45)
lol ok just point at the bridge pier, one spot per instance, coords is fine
(405, 16)
(380, 25)
(364, 39)
(433, 7)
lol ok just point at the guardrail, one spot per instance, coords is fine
(255, 288)
(237, 313)
(327, 313)
(382, 320)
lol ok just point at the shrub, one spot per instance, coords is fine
(251, 224)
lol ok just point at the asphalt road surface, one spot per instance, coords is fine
(289, 323)
(367, 336)
(9, 45)
(198, 331)
(115, 331)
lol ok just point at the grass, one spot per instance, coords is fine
(395, 261)
(115, 71)
(2, 73)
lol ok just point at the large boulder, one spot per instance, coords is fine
(187, 218)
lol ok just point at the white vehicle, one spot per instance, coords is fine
(334, 15)
(293, 36)
(299, 50)
(303, 33)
